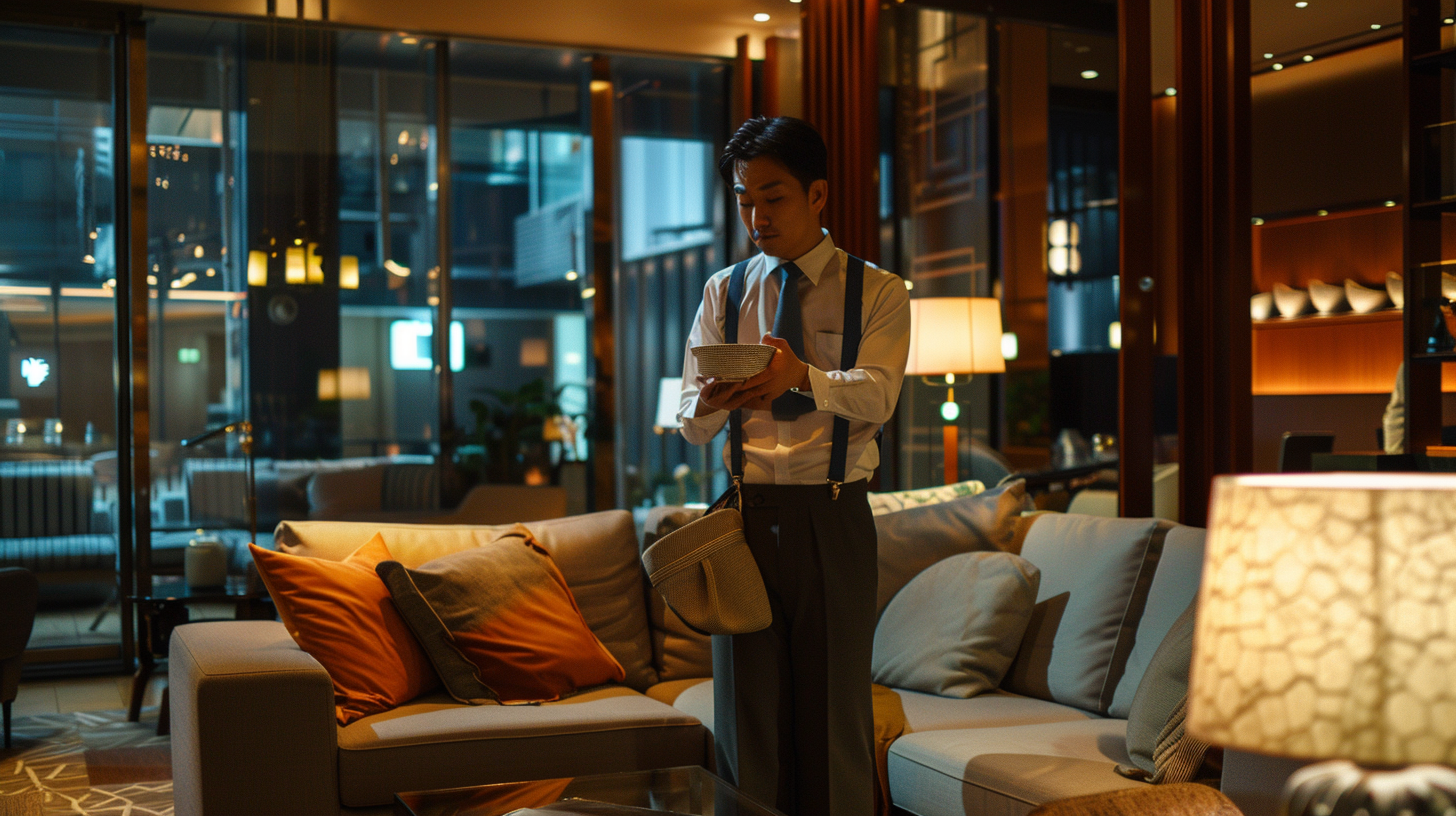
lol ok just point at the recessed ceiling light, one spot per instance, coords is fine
(1258, 221)
(760, 17)
(1375, 26)
(796, 1)
(1268, 56)
(1301, 4)
(1278, 66)
(1089, 74)
(1322, 213)
(1170, 92)
(1449, 20)
(1390, 203)
(1308, 58)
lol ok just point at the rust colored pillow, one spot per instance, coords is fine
(340, 612)
(500, 624)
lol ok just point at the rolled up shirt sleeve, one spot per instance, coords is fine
(699, 430)
(869, 391)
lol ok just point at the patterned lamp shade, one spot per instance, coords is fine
(1327, 618)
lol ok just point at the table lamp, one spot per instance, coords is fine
(1327, 630)
(950, 336)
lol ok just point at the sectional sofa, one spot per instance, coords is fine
(253, 719)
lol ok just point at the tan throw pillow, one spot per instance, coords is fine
(499, 624)
(955, 628)
(911, 540)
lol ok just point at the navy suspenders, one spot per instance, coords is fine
(853, 331)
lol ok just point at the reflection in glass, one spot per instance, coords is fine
(57, 319)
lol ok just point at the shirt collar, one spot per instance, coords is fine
(811, 263)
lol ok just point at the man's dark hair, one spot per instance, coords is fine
(794, 143)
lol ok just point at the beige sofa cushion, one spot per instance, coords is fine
(1006, 771)
(922, 712)
(435, 742)
(338, 493)
(1175, 586)
(596, 552)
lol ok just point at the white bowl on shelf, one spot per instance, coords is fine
(732, 362)
(1327, 299)
(1448, 286)
(1364, 300)
(1395, 287)
(1291, 302)
(1261, 306)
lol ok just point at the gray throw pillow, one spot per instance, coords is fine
(955, 628)
(1157, 743)
(1095, 577)
(912, 539)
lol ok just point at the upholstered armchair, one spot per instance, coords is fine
(19, 594)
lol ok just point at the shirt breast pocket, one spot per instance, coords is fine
(827, 347)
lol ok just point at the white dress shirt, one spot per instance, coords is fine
(797, 451)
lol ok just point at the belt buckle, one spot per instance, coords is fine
(834, 490)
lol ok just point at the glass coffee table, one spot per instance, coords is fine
(689, 790)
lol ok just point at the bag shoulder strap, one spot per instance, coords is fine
(853, 332)
(730, 335)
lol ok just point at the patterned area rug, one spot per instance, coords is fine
(92, 762)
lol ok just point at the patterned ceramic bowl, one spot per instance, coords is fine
(1261, 306)
(1395, 287)
(732, 362)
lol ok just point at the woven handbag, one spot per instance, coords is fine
(706, 573)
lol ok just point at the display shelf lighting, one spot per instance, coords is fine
(295, 265)
(1278, 66)
(348, 271)
(257, 268)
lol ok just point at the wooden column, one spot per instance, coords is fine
(1137, 260)
(841, 99)
(742, 92)
(1214, 382)
(604, 485)
(1421, 226)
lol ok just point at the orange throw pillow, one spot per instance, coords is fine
(500, 624)
(340, 612)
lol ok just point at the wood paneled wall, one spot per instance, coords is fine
(841, 99)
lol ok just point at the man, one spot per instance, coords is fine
(793, 717)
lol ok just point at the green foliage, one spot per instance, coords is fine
(506, 420)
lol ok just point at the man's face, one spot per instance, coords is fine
(780, 214)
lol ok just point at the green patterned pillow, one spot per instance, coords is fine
(882, 503)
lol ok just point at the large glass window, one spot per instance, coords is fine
(58, 474)
(521, 164)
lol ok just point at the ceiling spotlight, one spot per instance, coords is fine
(1278, 66)
(1322, 213)
(571, 274)
(1170, 92)
(760, 17)
(1301, 4)
(1090, 74)
(1268, 55)
(1308, 58)
(1375, 26)
(1390, 203)
(1449, 20)
(796, 1)
(1258, 222)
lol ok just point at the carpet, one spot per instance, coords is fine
(90, 763)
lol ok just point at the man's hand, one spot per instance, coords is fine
(784, 371)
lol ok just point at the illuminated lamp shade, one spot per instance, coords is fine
(257, 268)
(1326, 629)
(669, 400)
(348, 383)
(294, 270)
(955, 336)
(315, 269)
(349, 272)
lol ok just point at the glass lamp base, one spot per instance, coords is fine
(1342, 788)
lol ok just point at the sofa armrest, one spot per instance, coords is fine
(253, 727)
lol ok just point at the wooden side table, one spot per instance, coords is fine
(165, 608)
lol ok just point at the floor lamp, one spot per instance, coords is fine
(951, 336)
(244, 430)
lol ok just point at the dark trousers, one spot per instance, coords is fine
(793, 717)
